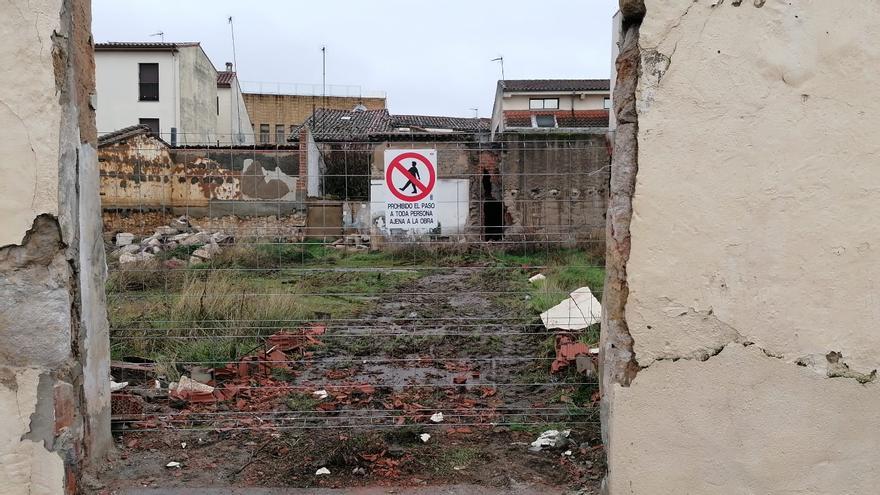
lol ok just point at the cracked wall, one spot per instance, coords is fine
(748, 290)
(54, 347)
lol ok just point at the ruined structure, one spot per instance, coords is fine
(54, 348)
(739, 341)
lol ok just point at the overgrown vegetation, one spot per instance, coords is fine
(219, 310)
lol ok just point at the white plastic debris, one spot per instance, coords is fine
(321, 394)
(322, 471)
(537, 278)
(116, 387)
(437, 417)
(567, 453)
(183, 445)
(550, 438)
(579, 311)
(425, 437)
(173, 464)
(187, 384)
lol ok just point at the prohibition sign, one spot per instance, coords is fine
(396, 165)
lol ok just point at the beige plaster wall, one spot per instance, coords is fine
(28, 100)
(753, 235)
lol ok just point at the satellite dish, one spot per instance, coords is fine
(359, 108)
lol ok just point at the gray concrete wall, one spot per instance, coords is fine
(198, 97)
(740, 313)
(54, 346)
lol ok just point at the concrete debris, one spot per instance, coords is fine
(167, 238)
(320, 394)
(437, 417)
(322, 471)
(359, 471)
(196, 239)
(537, 278)
(551, 439)
(116, 387)
(124, 239)
(579, 311)
(173, 464)
(424, 437)
(352, 242)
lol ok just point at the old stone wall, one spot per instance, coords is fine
(739, 346)
(54, 346)
(143, 173)
(535, 187)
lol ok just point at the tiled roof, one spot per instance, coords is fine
(143, 45)
(341, 125)
(552, 85)
(433, 122)
(224, 79)
(122, 134)
(564, 119)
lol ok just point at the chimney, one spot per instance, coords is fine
(228, 66)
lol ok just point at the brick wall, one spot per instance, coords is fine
(292, 110)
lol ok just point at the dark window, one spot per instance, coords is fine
(279, 134)
(218, 105)
(153, 124)
(264, 133)
(148, 82)
(545, 121)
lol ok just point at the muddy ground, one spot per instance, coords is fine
(460, 340)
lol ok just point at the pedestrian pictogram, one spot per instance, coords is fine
(410, 177)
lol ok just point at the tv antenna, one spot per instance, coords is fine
(500, 59)
(161, 34)
(476, 112)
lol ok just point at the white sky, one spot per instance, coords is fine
(431, 57)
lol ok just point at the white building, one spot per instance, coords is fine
(173, 89)
(233, 122)
(547, 104)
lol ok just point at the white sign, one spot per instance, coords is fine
(410, 177)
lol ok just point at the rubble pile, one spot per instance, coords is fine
(353, 243)
(169, 237)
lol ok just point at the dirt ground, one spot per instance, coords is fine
(386, 373)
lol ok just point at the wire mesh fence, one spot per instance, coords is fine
(252, 291)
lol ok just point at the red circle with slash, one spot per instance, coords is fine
(396, 165)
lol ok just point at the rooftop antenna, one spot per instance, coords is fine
(160, 34)
(235, 68)
(476, 112)
(324, 76)
(500, 58)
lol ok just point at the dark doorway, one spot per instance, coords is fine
(493, 221)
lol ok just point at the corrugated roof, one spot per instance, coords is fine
(225, 78)
(143, 45)
(538, 85)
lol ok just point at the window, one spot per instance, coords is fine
(264, 133)
(279, 134)
(153, 124)
(543, 103)
(607, 103)
(148, 82)
(545, 121)
(218, 105)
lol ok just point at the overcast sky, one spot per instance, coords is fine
(429, 57)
